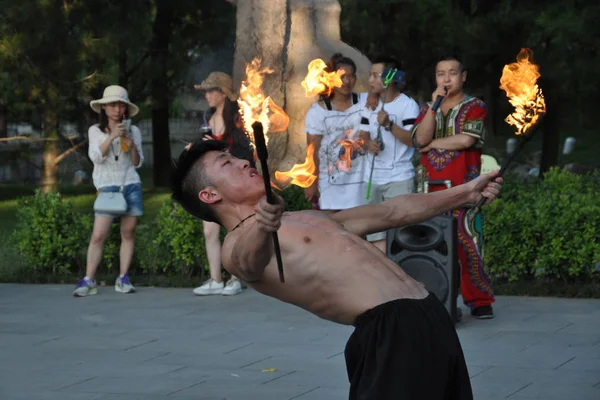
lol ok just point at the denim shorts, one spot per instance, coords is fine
(133, 197)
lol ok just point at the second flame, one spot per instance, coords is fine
(320, 82)
(519, 81)
(254, 106)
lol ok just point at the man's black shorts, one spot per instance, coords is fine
(407, 349)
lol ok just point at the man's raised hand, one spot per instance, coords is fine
(268, 216)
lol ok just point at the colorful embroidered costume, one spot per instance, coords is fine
(467, 117)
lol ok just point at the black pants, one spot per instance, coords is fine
(407, 350)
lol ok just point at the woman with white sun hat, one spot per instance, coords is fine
(115, 148)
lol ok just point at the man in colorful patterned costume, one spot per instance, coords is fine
(450, 141)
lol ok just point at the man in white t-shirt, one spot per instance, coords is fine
(390, 149)
(332, 121)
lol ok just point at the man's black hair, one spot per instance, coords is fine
(188, 179)
(453, 57)
(388, 62)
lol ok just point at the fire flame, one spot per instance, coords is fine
(254, 106)
(301, 174)
(318, 81)
(519, 82)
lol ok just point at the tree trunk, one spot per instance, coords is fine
(161, 38)
(287, 35)
(49, 178)
(3, 119)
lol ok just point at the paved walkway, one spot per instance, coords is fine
(168, 344)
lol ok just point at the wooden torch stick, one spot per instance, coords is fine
(261, 152)
(508, 161)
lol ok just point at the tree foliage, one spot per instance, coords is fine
(56, 55)
(487, 34)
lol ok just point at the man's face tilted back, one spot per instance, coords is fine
(450, 74)
(233, 180)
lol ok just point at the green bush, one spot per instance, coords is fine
(174, 243)
(177, 242)
(50, 234)
(294, 199)
(546, 228)
(53, 236)
(112, 247)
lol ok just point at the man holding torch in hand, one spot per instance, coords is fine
(449, 133)
(404, 344)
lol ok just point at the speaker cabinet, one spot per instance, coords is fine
(427, 252)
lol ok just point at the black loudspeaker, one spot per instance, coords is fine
(428, 253)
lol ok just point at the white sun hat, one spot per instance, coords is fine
(114, 94)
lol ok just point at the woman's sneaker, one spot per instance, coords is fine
(85, 287)
(209, 287)
(233, 287)
(123, 285)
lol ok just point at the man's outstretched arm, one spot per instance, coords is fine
(246, 254)
(414, 208)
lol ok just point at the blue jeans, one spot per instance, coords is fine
(133, 197)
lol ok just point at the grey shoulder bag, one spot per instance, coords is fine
(112, 203)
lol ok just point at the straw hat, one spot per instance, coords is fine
(114, 94)
(218, 80)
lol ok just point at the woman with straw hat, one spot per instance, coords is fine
(222, 122)
(115, 148)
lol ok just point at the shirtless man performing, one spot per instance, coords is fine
(404, 345)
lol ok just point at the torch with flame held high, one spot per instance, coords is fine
(255, 107)
(259, 115)
(519, 81)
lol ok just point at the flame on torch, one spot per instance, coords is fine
(318, 81)
(301, 174)
(255, 106)
(519, 81)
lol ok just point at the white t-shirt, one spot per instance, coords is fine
(340, 187)
(109, 171)
(394, 162)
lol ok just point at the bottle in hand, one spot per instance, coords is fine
(126, 121)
